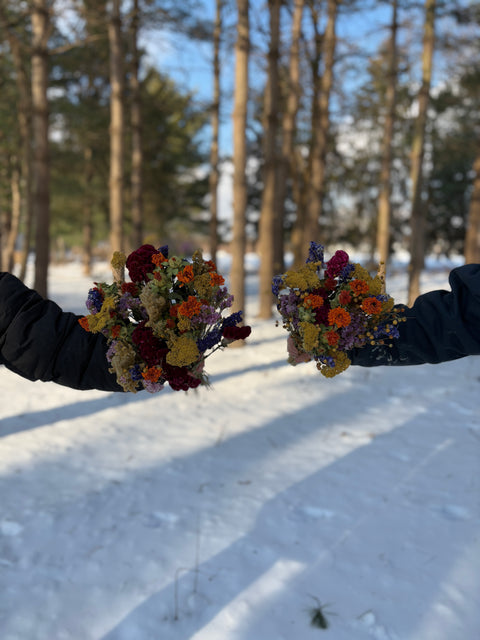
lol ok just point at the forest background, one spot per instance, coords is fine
(350, 122)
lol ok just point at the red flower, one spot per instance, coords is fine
(336, 264)
(344, 297)
(139, 263)
(332, 337)
(149, 347)
(330, 283)
(179, 378)
(130, 287)
(236, 333)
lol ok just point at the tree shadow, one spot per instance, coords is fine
(277, 568)
(108, 547)
(26, 421)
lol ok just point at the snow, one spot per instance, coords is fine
(231, 513)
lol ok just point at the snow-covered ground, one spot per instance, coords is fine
(228, 514)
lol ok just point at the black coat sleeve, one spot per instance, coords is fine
(440, 326)
(39, 341)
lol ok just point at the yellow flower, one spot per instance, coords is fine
(118, 260)
(376, 286)
(99, 320)
(183, 351)
(303, 279)
(360, 273)
(310, 334)
(342, 362)
(184, 323)
(202, 286)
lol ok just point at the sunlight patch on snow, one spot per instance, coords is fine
(258, 594)
(456, 600)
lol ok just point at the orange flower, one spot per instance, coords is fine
(186, 275)
(210, 264)
(83, 322)
(158, 258)
(152, 374)
(332, 338)
(190, 307)
(339, 317)
(216, 278)
(359, 287)
(116, 331)
(372, 306)
(344, 297)
(313, 301)
(173, 311)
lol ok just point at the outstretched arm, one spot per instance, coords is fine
(440, 326)
(39, 341)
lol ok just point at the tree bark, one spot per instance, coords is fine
(417, 219)
(288, 167)
(137, 151)
(116, 129)
(472, 236)
(214, 170)
(87, 211)
(320, 133)
(384, 198)
(24, 114)
(238, 245)
(41, 169)
(270, 215)
(8, 254)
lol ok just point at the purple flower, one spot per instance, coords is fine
(233, 319)
(94, 300)
(209, 340)
(349, 336)
(112, 349)
(346, 272)
(315, 252)
(222, 299)
(135, 373)
(276, 284)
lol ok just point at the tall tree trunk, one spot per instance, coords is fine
(269, 213)
(24, 111)
(137, 152)
(9, 248)
(116, 128)
(320, 133)
(214, 171)
(472, 236)
(237, 277)
(87, 211)
(384, 198)
(417, 220)
(41, 168)
(288, 166)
